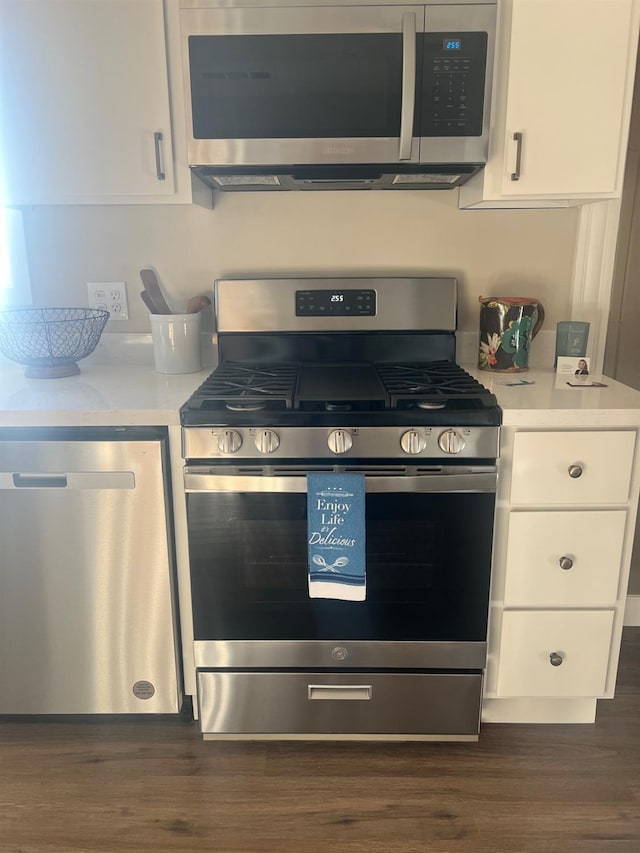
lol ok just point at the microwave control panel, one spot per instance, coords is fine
(453, 82)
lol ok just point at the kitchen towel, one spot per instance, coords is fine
(336, 536)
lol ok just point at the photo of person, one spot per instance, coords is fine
(576, 370)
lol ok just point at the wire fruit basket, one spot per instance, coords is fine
(50, 340)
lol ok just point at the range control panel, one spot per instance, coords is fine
(453, 84)
(337, 303)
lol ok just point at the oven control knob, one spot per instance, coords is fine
(413, 442)
(267, 441)
(339, 441)
(450, 441)
(229, 441)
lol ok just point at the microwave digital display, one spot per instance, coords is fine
(452, 44)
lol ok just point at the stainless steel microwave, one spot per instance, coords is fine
(306, 94)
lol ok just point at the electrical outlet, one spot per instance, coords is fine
(109, 296)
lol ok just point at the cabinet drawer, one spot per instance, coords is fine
(572, 467)
(531, 640)
(357, 703)
(557, 559)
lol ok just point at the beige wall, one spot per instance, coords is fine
(526, 253)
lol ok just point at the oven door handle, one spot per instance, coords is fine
(474, 481)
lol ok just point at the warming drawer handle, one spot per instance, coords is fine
(408, 84)
(40, 481)
(340, 691)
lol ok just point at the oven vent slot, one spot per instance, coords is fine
(376, 470)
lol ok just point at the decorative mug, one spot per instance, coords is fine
(508, 324)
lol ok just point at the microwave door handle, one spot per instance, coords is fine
(408, 84)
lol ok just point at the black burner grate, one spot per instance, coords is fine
(247, 385)
(436, 382)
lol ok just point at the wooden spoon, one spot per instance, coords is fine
(148, 302)
(197, 303)
(152, 287)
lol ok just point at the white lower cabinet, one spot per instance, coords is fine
(565, 521)
(554, 653)
(564, 558)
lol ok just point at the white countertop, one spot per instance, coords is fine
(118, 386)
(549, 401)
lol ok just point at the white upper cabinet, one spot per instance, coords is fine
(562, 102)
(84, 103)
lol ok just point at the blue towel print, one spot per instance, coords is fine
(336, 536)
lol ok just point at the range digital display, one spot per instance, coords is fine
(335, 303)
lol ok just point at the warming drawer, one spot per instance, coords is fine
(407, 706)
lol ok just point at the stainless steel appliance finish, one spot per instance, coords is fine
(414, 706)
(352, 443)
(308, 382)
(87, 612)
(276, 93)
(402, 304)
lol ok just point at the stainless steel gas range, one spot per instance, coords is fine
(354, 376)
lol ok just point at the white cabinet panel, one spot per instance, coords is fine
(563, 84)
(83, 91)
(578, 642)
(567, 81)
(572, 467)
(564, 559)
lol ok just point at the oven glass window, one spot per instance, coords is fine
(296, 86)
(428, 567)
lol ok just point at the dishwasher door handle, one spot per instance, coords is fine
(71, 480)
(40, 481)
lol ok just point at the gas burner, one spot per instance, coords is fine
(239, 406)
(337, 407)
(429, 405)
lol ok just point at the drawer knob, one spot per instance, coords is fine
(575, 471)
(565, 563)
(555, 659)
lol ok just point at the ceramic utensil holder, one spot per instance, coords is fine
(176, 342)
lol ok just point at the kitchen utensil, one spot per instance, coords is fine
(148, 301)
(508, 324)
(197, 303)
(50, 340)
(176, 342)
(152, 287)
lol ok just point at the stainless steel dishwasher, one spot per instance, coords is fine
(87, 606)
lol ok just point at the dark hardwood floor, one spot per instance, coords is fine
(113, 786)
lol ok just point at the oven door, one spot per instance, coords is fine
(428, 557)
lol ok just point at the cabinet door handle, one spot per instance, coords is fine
(517, 137)
(565, 563)
(157, 141)
(408, 84)
(555, 659)
(575, 471)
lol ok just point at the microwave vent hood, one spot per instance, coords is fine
(388, 177)
(301, 95)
